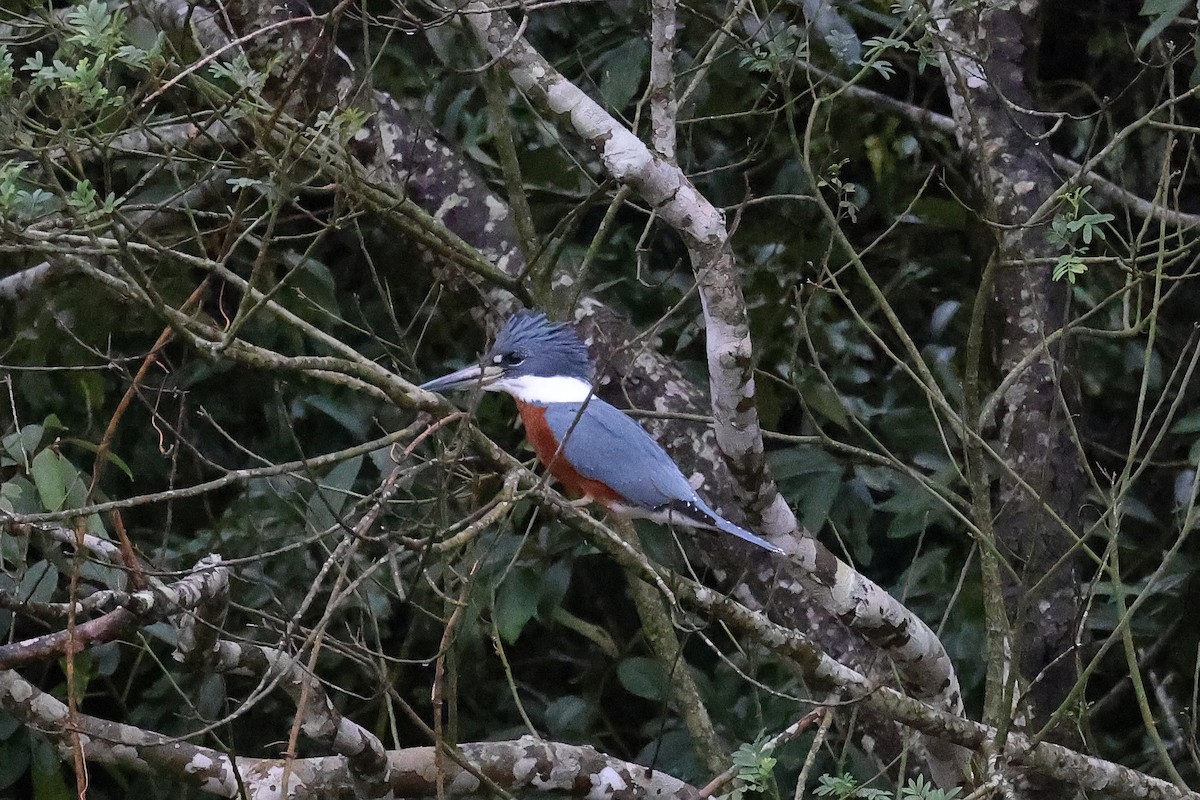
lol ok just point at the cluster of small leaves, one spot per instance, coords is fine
(7, 74)
(85, 200)
(875, 47)
(919, 18)
(847, 787)
(80, 74)
(845, 190)
(95, 28)
(920, 789)
(81, 83)
(1079, 222)
(238, 71)
(74, 86)
(754, 763)
(778, 51)
(341, 124)
(20, 201)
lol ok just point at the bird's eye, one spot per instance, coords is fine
(508, 359)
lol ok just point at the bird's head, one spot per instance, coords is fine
(533, 359)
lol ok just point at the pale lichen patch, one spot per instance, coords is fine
(45, 707)
(20, 691)
(451, 202)
(523, 768)
(608, 781)
(199, 763)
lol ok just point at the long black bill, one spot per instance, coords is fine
(470, 377)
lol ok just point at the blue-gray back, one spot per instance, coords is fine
(607, 445)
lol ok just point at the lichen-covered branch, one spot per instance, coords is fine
(207, 579)
(984, 52)
(663, 107)
(527, 764)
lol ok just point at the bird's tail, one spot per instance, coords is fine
(699, 513)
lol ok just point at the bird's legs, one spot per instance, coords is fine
(581, 502)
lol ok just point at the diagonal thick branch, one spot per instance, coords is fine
(674, 198)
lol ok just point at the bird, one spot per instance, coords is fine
(591, 447)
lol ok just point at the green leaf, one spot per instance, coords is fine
(313, 286)
(622, 71)
(16, 446)
(823, 400)
(12, 548)
(59, 484)
(14, 755)
(313, 282)
(107, 658)
(83, 197)
(38, 583)
(802, 460)
(6, 503)
(836, 786)
(644, 677)
(754, 762)
(920, 789)
(109, 456)
(48, 476)
(327, 501)
(347, 414)
(568, 716)
(811, 476)
(819, 495)
(1188, 424)
(1069, 266)
(47, 772)
(211, 696)
(516, 602)
(1164, 12)
(553, 587)
(21, 445)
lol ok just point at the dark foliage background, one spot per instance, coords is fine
(546, 635)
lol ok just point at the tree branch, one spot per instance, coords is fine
(676, 200)
(206, 580)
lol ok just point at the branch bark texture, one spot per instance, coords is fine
(985, 49)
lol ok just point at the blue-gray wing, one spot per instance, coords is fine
(605, 444)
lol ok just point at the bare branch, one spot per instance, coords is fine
(207, 579)
(663, 108)
(527, 764)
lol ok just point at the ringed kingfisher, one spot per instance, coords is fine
(591, 447)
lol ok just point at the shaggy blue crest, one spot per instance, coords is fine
(530, 344)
